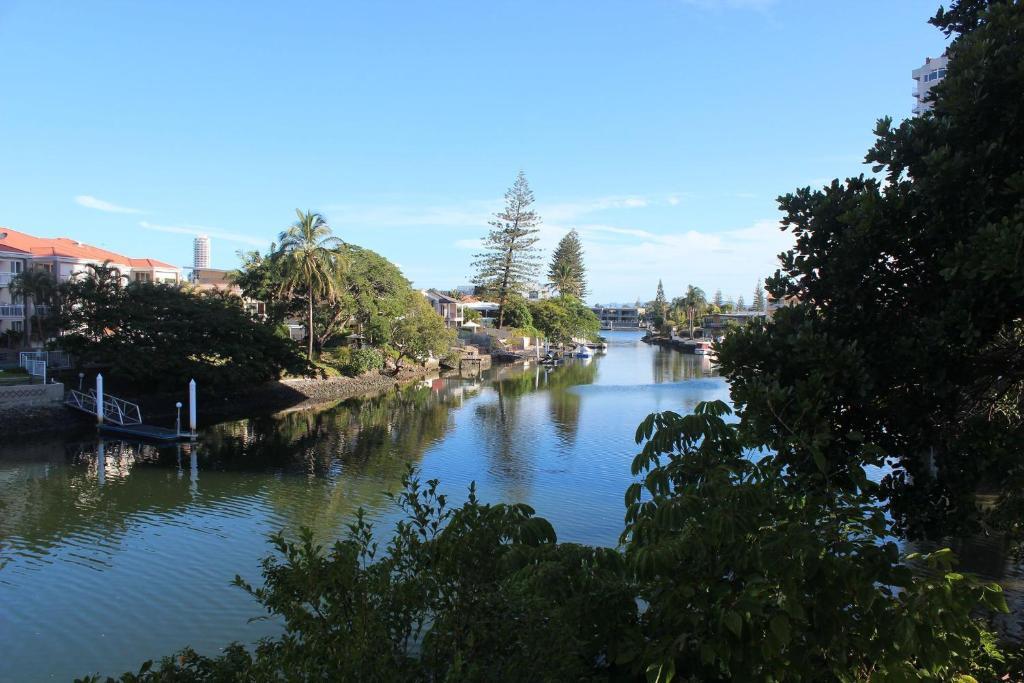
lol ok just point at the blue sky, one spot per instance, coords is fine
(662, 130)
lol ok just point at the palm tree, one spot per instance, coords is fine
(695, 301)
(311, 263)
(38, 285)
(564, 278)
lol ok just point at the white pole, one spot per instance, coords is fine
(99, 398)
(192, 407)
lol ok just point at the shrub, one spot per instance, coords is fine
(364, 360)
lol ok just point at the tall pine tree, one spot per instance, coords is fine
(567, 273)
(718, 300)
(741, 305)
(509, 260)
(660, 307)
(759, 302)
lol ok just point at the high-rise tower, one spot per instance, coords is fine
(201, 252)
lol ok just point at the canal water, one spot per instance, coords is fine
(112, 552)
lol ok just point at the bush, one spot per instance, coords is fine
(364, 360)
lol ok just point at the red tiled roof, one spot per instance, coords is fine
(149, 263)
(67, 247)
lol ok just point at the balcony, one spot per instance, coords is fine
(15, 311)
(42, 309)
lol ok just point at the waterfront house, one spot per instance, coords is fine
(64, 258)
(619, 317)
(449, 308)
(488, 310)
(217, 280)
(717, 324)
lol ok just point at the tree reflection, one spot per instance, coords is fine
(671, 365)
(346, 455)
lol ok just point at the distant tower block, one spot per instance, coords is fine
(201, 252)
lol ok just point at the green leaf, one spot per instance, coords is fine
(734, 622)
(779, 626)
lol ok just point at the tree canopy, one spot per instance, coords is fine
(157, 335)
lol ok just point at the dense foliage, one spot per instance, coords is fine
(509, 260)
(419, 333)
(563, 319)
(162, 336)
(362, 293)
(905, 340)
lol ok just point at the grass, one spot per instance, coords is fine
(14, 376)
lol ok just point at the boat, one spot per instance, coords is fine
(704, 348)
(583, 352)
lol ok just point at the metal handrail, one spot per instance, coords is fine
(116, 410)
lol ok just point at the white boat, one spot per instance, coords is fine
(583, 352)
(704, 349)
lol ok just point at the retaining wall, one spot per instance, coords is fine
(31, 395)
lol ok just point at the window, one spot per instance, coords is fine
(48, 267)
(143, 277)
(18, 325)
(16, 267)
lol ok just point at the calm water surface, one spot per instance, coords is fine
(112, 552)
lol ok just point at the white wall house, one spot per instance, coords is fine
(64, 258)
(451, 310)
(927, 77)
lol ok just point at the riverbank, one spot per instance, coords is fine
(159, 409)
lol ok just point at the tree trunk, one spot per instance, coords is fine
(309, 330)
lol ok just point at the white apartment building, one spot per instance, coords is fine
(201, 252)
(927, 76)
(64, 258)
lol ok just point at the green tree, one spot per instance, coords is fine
(39, 286)
(517, 312)
(419, 332)
(659, 308)
(156, 335)
(741, 304)
(310, 264)
(759, 299)
(567, 274)
(904, 344)
(717, 300)
(509, 260)
(563, 319)
(373, 292)
(694, 302)
(259, 277)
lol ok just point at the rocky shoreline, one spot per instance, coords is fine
(289, 394)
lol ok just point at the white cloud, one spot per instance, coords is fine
(91, 202)
(211, 232)
(733, 260)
